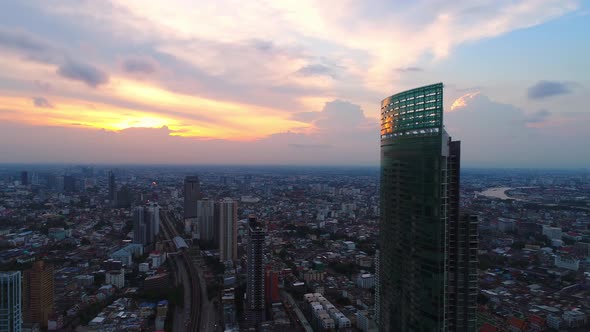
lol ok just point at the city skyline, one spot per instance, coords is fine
(119, 82)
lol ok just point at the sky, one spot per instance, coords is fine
(289, 82)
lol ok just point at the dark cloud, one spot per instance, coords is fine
(544, 89)
(30, 45)
(41, 102)
(83, 72)
(138, 65)
(316, 70)
(263, 45)
(22, 40)
(538, 116)
(409, 69)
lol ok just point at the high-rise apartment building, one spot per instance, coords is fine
(146, 223)
(11, 319)
(420, 225)
(38, 292)
(226, 215)
(192, 193)
(255, 301)
(208, 228)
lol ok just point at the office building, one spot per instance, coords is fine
(38, 292)
(208, 229)
(24, 178)
(112, 187)
(192, 193)
(10, 301)
(226, 215)
(255, 306)
(424, 281)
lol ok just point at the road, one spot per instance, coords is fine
(189, 318)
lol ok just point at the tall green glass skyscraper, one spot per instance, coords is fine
(419, 206)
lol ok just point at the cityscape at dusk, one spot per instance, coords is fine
(294, 166)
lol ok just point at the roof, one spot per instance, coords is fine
(487, 327)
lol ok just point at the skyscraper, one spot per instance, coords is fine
(38, 289)
(146, 223)
(192, 193)
(112, 187)
(208, 229)
(24, 178)
(11, 319)
(139, 227)
(255, 305)
(419, 207)
(226, 213)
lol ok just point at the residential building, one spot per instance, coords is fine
(38, 293)
(208, 228)
(192, 193)
(255, 306)
(226, 215)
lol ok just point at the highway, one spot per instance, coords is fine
(190, 278)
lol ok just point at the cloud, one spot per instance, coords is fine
(139, 65)
(463, 100)
(294, 35)
(544, 89)
(409, 69)
(30, 45)
(316, 69)
(86, 73)
(538, 116)
(136, 145)
(337, 116)
(41, 102)
(310, 146)
(41, 85)
(495, 134)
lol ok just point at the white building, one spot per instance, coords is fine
(157, 259)
(574, 318)
(365, 280)
(553, 233)
(115, 278)
(144, 267)
(567, 263)
(349, 245)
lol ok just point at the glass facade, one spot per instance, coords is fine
(413, 211)
(10, 302)
(419, 204)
